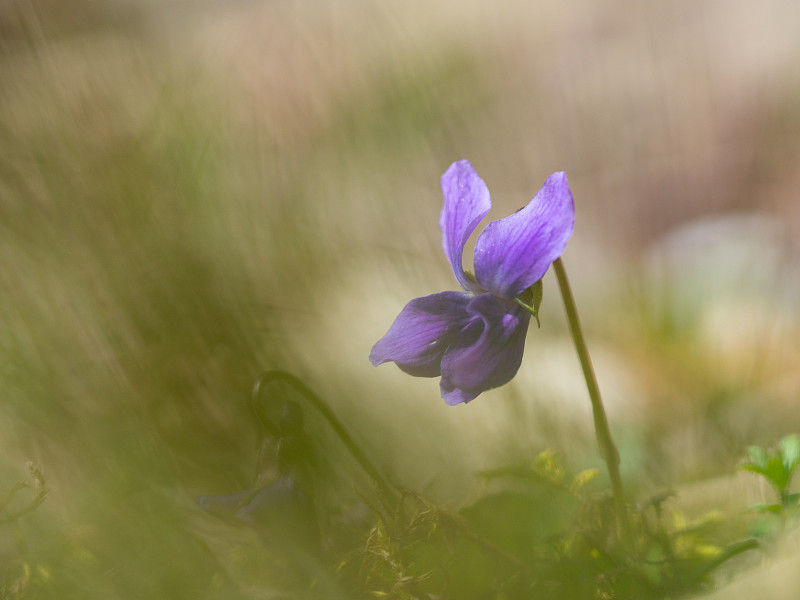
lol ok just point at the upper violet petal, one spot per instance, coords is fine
(422, 332)
(514, 253)
(466, 203)
(487, 353)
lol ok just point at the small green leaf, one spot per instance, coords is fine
(775, 472)
(758, 456)
(763, 507)
(790, 453)
(753, 468)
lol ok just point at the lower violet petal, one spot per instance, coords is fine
(422, 332)
(486, 353)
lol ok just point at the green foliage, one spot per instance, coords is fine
(777, 466)
(544, 533)
(538, 529)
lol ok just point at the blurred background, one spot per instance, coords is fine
(193, 192)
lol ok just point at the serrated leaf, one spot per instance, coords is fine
(753, 469)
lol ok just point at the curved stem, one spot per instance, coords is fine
(327, 413)
(605, 443)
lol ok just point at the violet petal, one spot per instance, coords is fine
(421, 333)
(514, 253)
(487, 352)
(466, 203)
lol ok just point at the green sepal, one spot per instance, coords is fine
(537, 291)
(531, 300)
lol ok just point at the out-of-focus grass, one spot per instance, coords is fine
(125, 350)
(189, 199)
(155, 260)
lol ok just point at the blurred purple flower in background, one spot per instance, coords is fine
(474, 339)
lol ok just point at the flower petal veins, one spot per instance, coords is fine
(475, 339)
(513, 253)
(466, 203)
(420, 334)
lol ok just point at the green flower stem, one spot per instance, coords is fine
(607, 448)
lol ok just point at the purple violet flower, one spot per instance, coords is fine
(474, 339)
